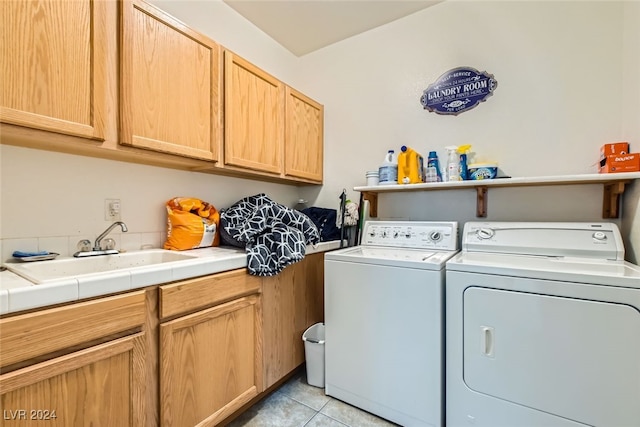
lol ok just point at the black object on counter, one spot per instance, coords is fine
(325, 221)
(343, 203)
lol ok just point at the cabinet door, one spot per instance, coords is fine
(278, 308)
(309, 294)
(210, 363)
(292, 301)
(308, 291)
(102, 385)
(254, 117)
(304, 136)
(53, 65)
(170, 85)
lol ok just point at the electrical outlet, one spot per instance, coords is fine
(112, 209)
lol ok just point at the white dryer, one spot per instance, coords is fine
(542, 327)
(384, 334)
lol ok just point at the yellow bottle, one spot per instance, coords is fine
(410, 166)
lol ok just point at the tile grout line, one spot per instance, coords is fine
(325, 415)
(300, 403)
(296, 392)
(329, 416)
(317, 411)
(309, 420)
(305, 404)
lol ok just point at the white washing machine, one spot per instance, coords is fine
(542, 327)
(384, 320)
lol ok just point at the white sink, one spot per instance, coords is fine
(41, 271)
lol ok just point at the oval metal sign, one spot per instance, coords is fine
(458, 90)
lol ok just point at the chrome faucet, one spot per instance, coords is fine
(96, 246)
(97, 250)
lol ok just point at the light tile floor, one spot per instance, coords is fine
(297, 404)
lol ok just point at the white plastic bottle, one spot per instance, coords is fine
(388, 170)
(453, 163)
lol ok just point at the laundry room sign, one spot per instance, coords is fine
(458, 90)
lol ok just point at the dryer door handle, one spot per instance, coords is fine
(487, 341)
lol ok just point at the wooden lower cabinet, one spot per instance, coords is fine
(201, 349)
(211, 360)
(101, 385)
(309, 291)
(292, 301)
(78, 365)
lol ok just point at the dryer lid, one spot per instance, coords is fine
(566, 269)
(594, 240)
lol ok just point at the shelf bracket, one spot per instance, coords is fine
(482, 194)
(611, 199)
(373, 202)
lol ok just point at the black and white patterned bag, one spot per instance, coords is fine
(273, 235)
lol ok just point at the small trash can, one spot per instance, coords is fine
(313, 339)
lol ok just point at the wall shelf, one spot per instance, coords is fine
(613, 188)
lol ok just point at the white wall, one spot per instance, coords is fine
(49, 200)
(559, 68)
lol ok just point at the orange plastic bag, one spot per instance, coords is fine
(191, 223)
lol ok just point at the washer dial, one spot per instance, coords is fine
(599, 235)
(435, 236)
(485, 233)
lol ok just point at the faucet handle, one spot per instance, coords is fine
(84, 245)
(107, 244)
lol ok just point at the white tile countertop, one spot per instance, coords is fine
(18, 293)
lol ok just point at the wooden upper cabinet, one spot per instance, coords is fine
(254, 117)
(170, 85)
(304, 136)
(53, 59)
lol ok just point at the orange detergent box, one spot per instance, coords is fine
(613, 163)
(614, 148)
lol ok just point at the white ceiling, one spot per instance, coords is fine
(303, 26)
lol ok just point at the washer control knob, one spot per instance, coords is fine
(395, 234)
(599, 235)
(435, 236)
(408, 234)
(485, 233)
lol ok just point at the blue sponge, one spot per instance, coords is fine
(21, 254)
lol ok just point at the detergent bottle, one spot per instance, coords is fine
(453, 163)
(388, 170)
(463, 151)
(410, 166)
(433, 168)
